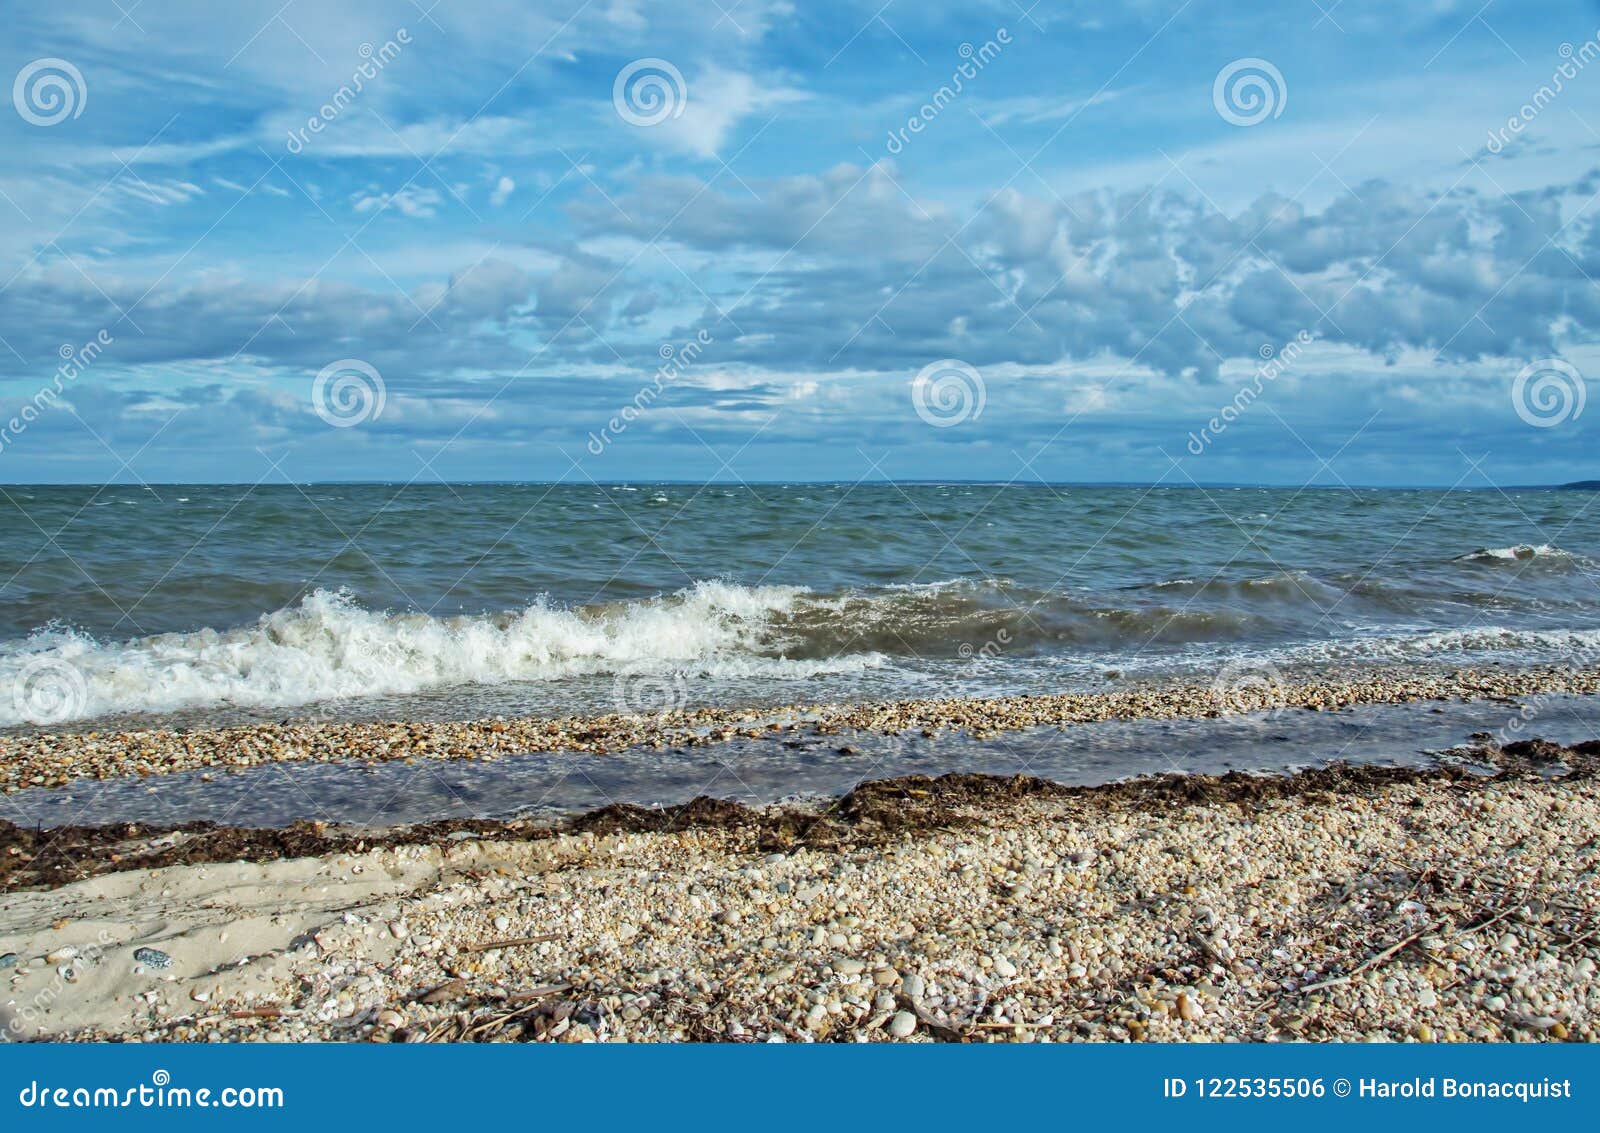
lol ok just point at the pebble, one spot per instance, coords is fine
(903, 1025)
(1260, 881)
(53, 759)
(152, 958)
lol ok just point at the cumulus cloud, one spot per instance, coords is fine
(573, 245)
(846, 269)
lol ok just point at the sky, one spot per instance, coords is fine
(1311, 241)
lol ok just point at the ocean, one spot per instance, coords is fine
(197, 604)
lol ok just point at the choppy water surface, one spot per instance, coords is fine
(208, 603)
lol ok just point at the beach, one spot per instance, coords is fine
(681, 526)
(1099, 778)
(49, 759)
(1337, 904)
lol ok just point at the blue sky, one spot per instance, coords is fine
(1087, 250)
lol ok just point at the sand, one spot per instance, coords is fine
(1336, 904)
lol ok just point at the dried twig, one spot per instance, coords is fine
(537, 993)
(1209, 949)
(511, 942)
(1374, 961)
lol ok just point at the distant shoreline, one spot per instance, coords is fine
(1193, 486)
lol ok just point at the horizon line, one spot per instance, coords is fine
(1571, 485)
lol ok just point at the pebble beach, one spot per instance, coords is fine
(648, 523)
(52, 759)
(1448, 904)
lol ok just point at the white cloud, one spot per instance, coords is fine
(157, 191)
(717, 102)
(410, 201)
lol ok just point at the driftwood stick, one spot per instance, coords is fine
(510, 942)
(1374, 961)
(260, 1013)
(537, 993)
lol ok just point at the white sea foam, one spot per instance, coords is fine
(1519, 551)
(1558, 646)
(328, 647)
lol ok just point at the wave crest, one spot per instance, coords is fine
(328, 647)
(1517, 552)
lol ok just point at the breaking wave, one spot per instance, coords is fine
(328, 647)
